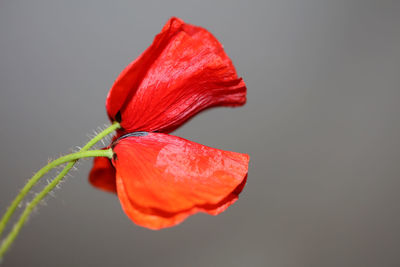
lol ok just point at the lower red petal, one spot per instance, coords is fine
(162, 179)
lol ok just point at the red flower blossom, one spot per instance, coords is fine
(161, 179)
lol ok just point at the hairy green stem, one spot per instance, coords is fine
(29, 208)
(24, 191)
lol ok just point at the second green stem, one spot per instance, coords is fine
(24, 191)
(29, 208)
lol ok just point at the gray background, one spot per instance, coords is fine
(321, 125)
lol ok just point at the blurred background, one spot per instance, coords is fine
(321, 125)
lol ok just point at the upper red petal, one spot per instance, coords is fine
(184, 71)
(162, 179)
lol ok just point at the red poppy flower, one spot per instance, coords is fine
(161, 179)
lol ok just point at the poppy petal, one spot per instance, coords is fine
(183, 72)
(140, 217)
(158, 219)
(102, 175)
(162, 179)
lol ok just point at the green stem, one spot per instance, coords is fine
(24, 191)
(29, 208)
